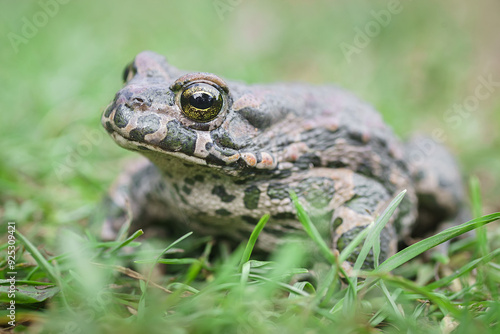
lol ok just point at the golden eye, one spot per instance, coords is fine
(201, 102)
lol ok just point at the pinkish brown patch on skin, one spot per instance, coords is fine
(365, 137)
(249, 158)
(294, 151)
(332, 124)
(268, 162)
(309, 125)
(246, 101)
(230, 159)
(395, 151)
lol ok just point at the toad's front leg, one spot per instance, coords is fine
(139, 195)
(366, 199)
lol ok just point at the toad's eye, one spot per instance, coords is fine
(201, 102)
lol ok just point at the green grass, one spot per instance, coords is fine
(56, 163)
(88, 290)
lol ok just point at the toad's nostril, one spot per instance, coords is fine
(139, 103)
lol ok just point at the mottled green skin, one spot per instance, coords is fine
(220, 177)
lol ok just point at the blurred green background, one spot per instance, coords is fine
(62, 62)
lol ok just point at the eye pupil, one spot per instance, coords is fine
(201, 100)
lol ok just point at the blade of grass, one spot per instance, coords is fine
(166, 250)
(372, 238)
(418, 248)
(438, 299)
(302, 286)
(311, 230)
(196, 267)
(134, 236)
(177, 286)
(392, 300)
(245, 272)
(475, 196)
(465, 269)
(378, 317)
(482, 244)
(374, 234)
(186, 260)
(284, 286)
(354, 243)
(325, 294)
(253, 240)
(376, 251)
(42, 262)
(45, 266)
(348, 302)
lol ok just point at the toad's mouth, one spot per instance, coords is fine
(173, 139)
(147, 149)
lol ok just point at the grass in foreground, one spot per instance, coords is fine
(90, 287)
